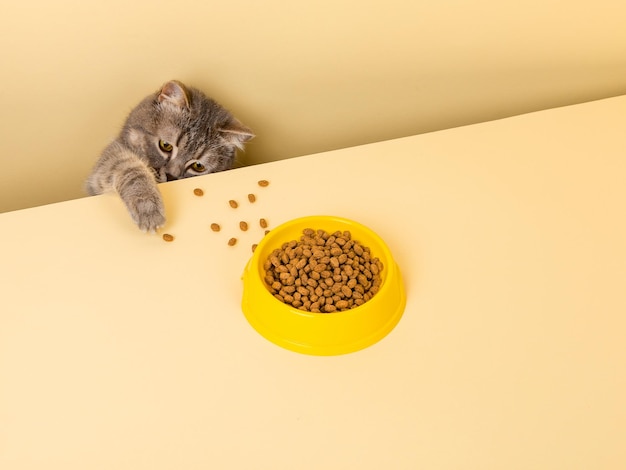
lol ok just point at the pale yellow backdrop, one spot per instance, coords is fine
(306, 76)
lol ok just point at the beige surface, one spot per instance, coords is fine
(306, 76)
(118, 350)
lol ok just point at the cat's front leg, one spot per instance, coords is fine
(120, 169)
(140, 194)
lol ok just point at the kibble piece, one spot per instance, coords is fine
(215, 227)
(243, 226)
(336, 251)
(346, 291)
(232, 242)
(198, 192)
(264, 183)
(251, 198)
(233, 204)
(263, 223)
(254, 247)
(168, 238)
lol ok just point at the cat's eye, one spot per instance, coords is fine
(197, 166)
(165, 146)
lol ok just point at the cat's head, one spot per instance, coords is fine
(181, 130)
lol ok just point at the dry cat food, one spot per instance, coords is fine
(168, 238)
(198, 192)
(323, 272)
(243, 226)
(254, 247)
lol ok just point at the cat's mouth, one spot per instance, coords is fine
(170, 177)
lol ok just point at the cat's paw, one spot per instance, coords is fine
(148, 213)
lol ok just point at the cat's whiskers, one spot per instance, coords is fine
(238, 162)
(200, 123)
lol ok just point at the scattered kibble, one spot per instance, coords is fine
(198, 192)
(323, 272)
(168, 238)
(243, 226)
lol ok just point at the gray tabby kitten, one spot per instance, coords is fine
(175, 133)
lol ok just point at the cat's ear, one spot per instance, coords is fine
(235, 133)
(174, 92)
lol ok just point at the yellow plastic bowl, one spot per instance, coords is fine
(323, 334)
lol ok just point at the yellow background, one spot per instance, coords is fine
(306, 76)
(119, 351)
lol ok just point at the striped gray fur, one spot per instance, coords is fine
(177, 132)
